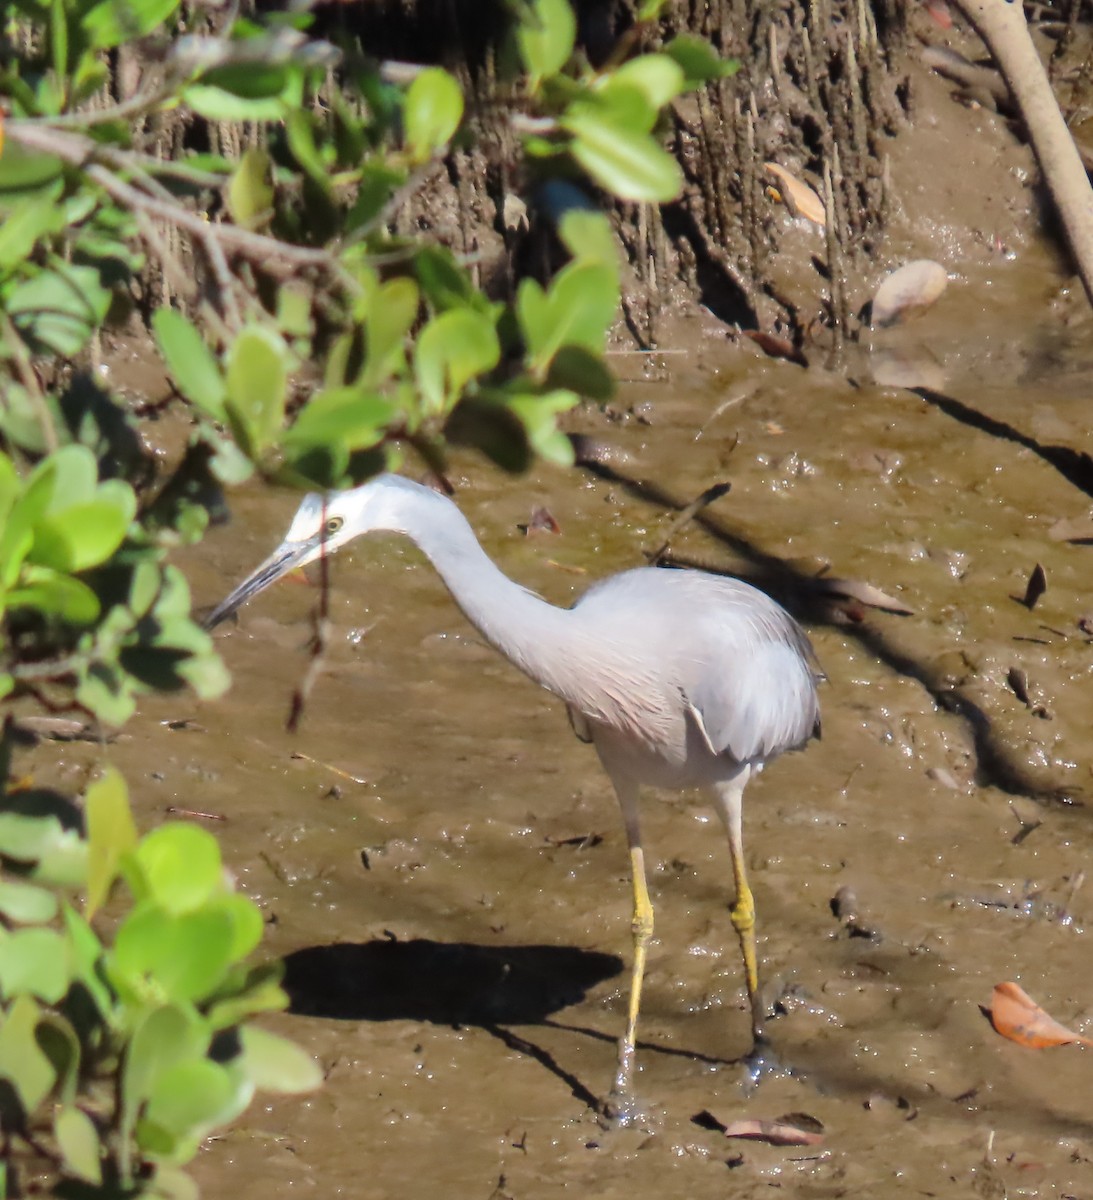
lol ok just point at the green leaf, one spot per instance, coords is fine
(444, 283)
(28, 839)
(247, 991)
(180, 867)
(300, 134)
(294, 310)
(58, 1041)
(68, 476)
(87, 955)
(578, 310)
(391, 314)
(377, 186)
(257, 387)
(588, 235)
(79, 1143)
(34, 961)
(173, 958)
(25, 172)
(250, 193)
(699, 60)
(172, 1183)
(348, 416)
(164, 1037)
(545, 38)
(56, 310)
(112, 22)
(218, 104)
(246, 921)
(111, 834)
(26, 904)
(30, 220)
(538, 414)
(192, 365)
(55, 594)
(22, 1062)
(274, 1064)
(432, 112)
(108, 692)
(625, 161)
(658, 77)
(580, 370)
(85, 535)
(453, 349)
(187, 1101)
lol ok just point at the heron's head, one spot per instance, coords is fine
(322, 525)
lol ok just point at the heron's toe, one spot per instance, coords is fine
(762, 1062)
(621, 1109)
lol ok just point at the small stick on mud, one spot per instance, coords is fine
(688, 514)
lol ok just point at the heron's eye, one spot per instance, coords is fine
(332, 525)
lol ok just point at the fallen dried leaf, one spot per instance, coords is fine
(776, 347)
(1072, 529)
(1015, 1015)
(60, 729)
(939, 13)
(540, 521)
(916, 285)
(785, 1131)
(798, 197)
(1037, 585)
(864, 593)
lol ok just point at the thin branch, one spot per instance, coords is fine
(225, 281)
(81, 152)
(135, 106)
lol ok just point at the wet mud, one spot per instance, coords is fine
(442, 865)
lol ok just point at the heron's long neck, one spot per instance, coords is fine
(537, 637)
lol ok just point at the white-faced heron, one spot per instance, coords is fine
(680, 679)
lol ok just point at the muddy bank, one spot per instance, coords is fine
(442, 863)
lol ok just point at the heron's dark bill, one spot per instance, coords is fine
(280, 562)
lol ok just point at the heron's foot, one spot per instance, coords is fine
(762, 1062)
(623, 1110)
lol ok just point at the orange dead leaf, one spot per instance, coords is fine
(777, 1133)
(798, 197)
(1015, 1015)
(939, 13)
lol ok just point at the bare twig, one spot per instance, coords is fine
(82, 152)
(30, 381)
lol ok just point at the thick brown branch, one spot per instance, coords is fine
(1003, 27)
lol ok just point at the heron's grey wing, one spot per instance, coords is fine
(755, 697)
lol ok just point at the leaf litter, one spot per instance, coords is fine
(1015, 1015)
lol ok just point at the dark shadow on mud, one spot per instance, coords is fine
(998, 765)
(1074, 466)
(442, 983)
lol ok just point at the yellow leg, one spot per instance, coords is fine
(729, 798)
(642, 928)
(621, 1104)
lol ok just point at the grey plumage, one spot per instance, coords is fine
(679, 678)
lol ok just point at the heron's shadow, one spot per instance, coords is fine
(442, 983)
